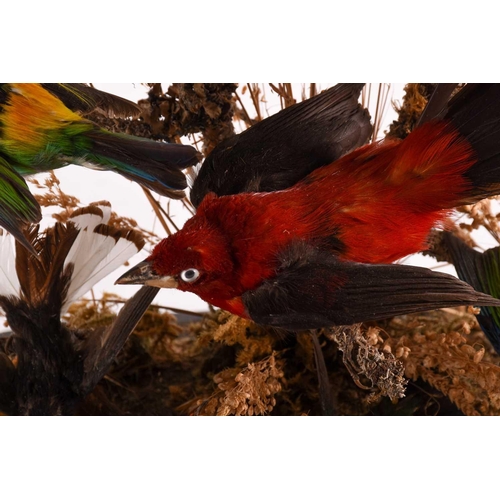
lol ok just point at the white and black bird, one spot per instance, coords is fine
(58, 366)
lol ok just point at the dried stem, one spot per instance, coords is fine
(246, 117)
(254, 94)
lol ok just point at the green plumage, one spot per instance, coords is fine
(482, 272)
(39, 132)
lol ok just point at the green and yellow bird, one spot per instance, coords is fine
(40, 130)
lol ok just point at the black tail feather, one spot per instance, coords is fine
(475, 112)
(481, 271)
(438, 103)
(156, 165)
(324, 387)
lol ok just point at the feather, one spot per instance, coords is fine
(70, 258)
(324, 387)
(437, 105)
(102, 349)
(83, 98)
(97, 251)
(109, 254)
(475, 112)
(481, 271)
(42, 276)
(50, 375)
(277, 152)
(9, 282)
(315, 289)
(91, 216)
(155, 165)
(17, 204)
(40, 130)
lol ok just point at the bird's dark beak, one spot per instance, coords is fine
(143, 274)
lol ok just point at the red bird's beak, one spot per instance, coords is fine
(143, 274)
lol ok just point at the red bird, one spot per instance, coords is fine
(317, 251)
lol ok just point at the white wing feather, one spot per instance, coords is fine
(94, 255)
(9, 282)
(90, 220)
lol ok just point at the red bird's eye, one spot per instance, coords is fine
(190, 275)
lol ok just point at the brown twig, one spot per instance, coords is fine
(167, 308)
(158, 210)
(248, 120)
(254, 95)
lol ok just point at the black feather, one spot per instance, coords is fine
(314, 289)
(48, 369)
(438, 103)
(324, 387)
(279, 151)
(57, 367)
(101, 350)
(156, 165)
(475, 112)
(7, 385)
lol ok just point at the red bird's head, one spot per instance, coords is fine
(196, 259)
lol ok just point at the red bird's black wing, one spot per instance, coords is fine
(279, 151)
(314, 289)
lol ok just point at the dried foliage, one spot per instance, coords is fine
(92, 314)
(132, 126)
(447, 350)
(233, 367)
(381, 97)
(414, 101)
(189, 108)
(481, 214)
(248, 392)
(184, 109)
(55, 197)
(63, 205)
(366, 354)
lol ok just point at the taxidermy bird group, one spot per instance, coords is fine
(299, 222)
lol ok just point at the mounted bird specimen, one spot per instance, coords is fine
(316, 249)
(40, 130)
(56, 366)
